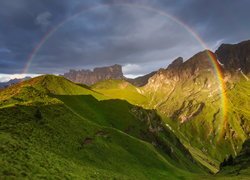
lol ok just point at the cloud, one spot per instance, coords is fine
(131, 68)
(43, 19)
(132, 76)
(126, 35)
(5, 50)
(7, 77)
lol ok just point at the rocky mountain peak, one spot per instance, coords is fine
(176, 63)
(199, 62)
(235, 57)
(178, 70)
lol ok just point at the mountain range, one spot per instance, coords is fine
(174, 123)
(12, 81)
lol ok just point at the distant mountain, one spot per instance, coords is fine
(141, 80)
(13, 81)
(89, 77)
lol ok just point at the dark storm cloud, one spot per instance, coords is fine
(139, 39)
(224, 20)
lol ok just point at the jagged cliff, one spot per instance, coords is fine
(89, 77)
(235, 57)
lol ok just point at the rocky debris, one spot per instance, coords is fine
(89, 77)
(102, 133)
(87, 140)
(235, 57)
(188, 110)
(90, 140)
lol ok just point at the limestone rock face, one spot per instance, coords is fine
(181, 71)
(89, 77)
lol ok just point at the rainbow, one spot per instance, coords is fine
(216, 65)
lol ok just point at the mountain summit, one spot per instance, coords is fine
(235, 57)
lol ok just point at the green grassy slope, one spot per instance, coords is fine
(120, 89)
(49, 129)
(55, 147)
(193, 107)
(135, 121)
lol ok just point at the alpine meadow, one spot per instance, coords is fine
(124, 89)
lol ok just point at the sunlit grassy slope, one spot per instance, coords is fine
(192, 109)
(52, 128)
(121, 89)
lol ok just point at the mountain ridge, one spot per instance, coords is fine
(87, 126)
(176, 120)
(89, 77)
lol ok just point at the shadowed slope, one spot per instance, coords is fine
(73, 136)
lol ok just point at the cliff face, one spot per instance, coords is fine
(235, 57)
(98, 74)
(179, 71)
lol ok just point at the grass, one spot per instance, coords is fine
(197, 102)
(120, 89)
(100, 132)
(134, 121)
(79, 137)
(53, 148)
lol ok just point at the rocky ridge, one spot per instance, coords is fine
(89, 77)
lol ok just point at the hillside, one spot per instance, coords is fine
(183, 120)
(188, 97)
(120, 89)
(189, 93)
(50, 128)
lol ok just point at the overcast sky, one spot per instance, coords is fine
(134, 33)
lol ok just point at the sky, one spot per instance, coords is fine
(54, 36)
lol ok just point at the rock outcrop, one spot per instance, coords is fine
(235, 57)
(89, 77)
(179, 70)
